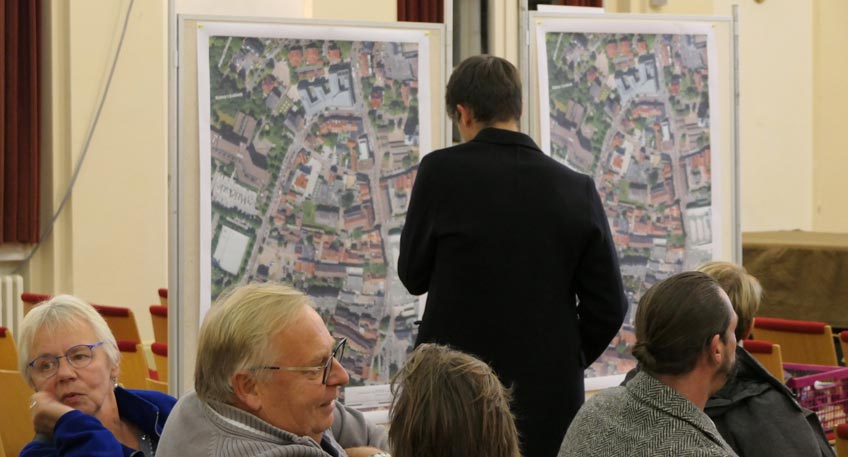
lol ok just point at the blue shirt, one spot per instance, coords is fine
(80, 434)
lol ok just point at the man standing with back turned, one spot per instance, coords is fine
(505, 240)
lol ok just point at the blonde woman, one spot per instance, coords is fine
(754, 412)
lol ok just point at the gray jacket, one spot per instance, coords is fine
(643, 418)
(199, 429)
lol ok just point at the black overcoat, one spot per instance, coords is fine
(515, 253)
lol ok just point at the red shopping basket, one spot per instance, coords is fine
(823, 389)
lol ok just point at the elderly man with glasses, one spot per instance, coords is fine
(266, 382)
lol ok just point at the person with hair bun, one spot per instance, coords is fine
(450, 404)
(686, 347)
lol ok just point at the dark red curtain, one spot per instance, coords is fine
(20, 42)
(421, 10)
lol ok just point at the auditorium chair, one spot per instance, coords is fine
(768, 354)
(8, 350)
(158, 386)
(30, 300)
(121, 321)
(804, 342)
(133, 367)
(160, 358)
(841, 440)
(163, 296)
(159, 318)
(15, 423)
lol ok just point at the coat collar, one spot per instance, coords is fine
(505, 137)
(653, 392)
(751, 379)
(139, 411)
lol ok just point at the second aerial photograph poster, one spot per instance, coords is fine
(631, 105)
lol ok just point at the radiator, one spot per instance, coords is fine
(11, 306)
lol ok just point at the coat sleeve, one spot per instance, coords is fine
(417, 240)
(602, 304)
(77, 434)
(351, 429)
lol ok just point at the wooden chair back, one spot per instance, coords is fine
(159, 317)
(133, 365)
(30, 300)
(163, 296)
(841, 440)
(768, 354)
(160, 358)
(8, 350)
(16, 428)
(804, 342)
(121, 321)
(159, 386)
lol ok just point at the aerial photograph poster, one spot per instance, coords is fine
(629, 104)
(309, 141)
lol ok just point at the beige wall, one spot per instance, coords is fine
(110, 243)
(376, 10)
(794, 57)
(777, 110)
(830, 114)
(119, 213)
(245, 8)
(370, 11)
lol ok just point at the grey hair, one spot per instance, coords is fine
(238, 332)
(53, 314)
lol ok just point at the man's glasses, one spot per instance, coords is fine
(47, 365)
(338, 352)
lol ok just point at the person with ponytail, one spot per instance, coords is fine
(686, 348)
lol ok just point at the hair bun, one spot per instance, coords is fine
(643, 355)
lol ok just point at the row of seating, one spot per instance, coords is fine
(801, 341)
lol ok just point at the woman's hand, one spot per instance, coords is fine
(45, 409)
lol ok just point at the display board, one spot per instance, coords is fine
(645, 107)
(297, 148)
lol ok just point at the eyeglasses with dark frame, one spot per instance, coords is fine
(338, 352)
(47, 365)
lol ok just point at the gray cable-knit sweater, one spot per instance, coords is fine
(199, 429)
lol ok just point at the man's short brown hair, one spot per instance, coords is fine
(490, 86)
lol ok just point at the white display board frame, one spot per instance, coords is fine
(724, 99)
(186, 246)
